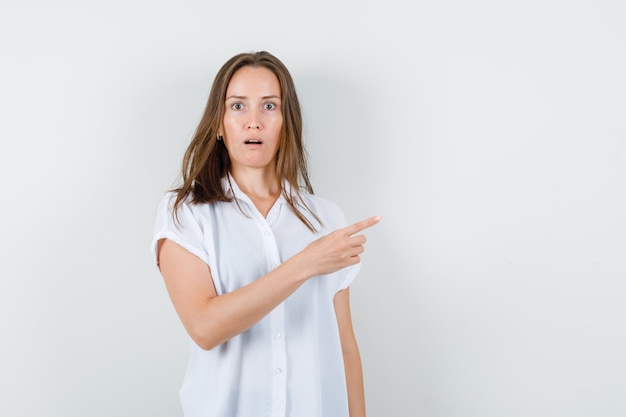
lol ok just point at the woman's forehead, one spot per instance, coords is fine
(251, 81)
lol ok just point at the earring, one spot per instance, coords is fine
(219, 137)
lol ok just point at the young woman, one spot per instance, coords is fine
(257, 267)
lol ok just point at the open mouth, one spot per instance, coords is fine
(253, 142)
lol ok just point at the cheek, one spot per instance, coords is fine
(277, 124)
(228, 121)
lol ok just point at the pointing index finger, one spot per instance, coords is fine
(362, 225)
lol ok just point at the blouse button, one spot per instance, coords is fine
(279, 371)
(268, 233)
(277, 336)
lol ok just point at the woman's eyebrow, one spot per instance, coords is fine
(236, 97)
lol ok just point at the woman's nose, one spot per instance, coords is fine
(253, 121)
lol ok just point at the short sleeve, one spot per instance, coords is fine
(347, 276)
(185, 230)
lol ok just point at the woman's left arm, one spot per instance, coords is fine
(351, 356)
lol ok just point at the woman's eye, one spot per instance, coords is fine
(269, 106)
(237, 106)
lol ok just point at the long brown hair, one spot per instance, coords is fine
(206, 160)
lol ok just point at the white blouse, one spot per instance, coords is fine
(289, 363)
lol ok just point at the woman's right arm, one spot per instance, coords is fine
(211, 319)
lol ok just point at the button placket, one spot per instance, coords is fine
(279, 361)
(277, 328)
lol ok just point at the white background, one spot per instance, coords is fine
(491, 136)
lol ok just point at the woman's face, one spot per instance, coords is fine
(253, 118)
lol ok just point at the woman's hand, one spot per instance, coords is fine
(337, 250)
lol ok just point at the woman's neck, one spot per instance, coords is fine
(261, 186)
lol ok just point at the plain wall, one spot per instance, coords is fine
(490, 135)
